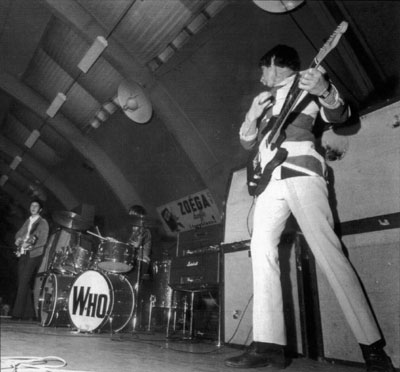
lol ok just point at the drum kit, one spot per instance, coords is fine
(87, 288)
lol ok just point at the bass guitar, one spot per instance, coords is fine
(257, 178)
(24, 245)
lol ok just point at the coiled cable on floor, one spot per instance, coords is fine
(40, 364)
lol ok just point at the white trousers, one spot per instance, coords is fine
(307, 198)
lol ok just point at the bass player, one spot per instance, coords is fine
(30, 241)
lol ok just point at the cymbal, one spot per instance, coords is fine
(71, 220)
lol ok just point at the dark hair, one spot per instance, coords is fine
(137, 210)
(164, 211)
(36, 200)
(285, 56)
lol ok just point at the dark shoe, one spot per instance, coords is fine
(259, 354)
(376, 358)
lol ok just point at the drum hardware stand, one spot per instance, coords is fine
(190, 336)
(169, 321)
(111, 328)
(170, 309)
(137, 286)
(152, 302)
(185, 306)
(185, 309)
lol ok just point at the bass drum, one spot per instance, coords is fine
(53, 300)
(98, 300)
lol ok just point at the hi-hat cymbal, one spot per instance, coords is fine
(71, 220)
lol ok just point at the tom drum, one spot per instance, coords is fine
(115, 257)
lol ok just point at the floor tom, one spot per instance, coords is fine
(162, 292)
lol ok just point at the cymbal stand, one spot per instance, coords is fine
(185, 305)
(137, 285)
(151, 306)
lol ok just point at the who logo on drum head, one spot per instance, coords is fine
(97, 299)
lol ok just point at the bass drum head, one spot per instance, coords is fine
(53, 300)
(98, 299)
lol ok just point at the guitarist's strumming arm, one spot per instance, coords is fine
(249, 130)
(248, 134)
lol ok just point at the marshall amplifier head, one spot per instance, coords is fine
(195, 272)
(199, 240)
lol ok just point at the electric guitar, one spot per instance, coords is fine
(258, 179)
(24, 245)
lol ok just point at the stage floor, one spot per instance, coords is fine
(126, 351)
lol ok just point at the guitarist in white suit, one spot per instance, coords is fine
(296, 184)
(30, 241)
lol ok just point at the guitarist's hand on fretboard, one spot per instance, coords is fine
(313, 81)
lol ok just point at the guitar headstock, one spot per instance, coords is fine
(331, 43)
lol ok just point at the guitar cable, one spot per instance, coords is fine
(249, 230)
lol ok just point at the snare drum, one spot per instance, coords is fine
(115, 257)
(53, 300)
(98, 300)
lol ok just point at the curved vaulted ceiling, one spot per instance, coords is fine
(195, 61)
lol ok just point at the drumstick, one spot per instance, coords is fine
(99, 236)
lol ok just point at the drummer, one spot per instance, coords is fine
(140, 239)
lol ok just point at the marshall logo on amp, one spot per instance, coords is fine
(195, 271)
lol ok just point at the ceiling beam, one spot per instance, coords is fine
(350, 59)
(58, 188)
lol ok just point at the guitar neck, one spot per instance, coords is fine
(291, 101)
(295, 92)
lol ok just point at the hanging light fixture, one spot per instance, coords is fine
(3, 179)
(56, 104)
(14, 164)
(134, 102)
(93, 53)
(33, 137)
(278, 6)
